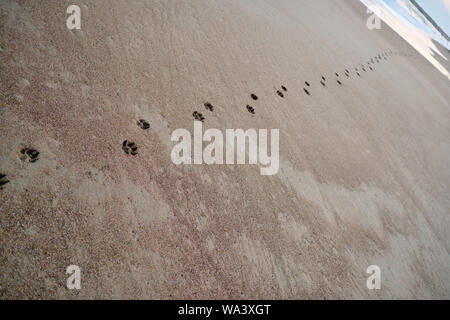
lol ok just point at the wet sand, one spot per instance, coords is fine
(364, 165)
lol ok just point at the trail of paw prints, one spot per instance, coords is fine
(28, 155)
(363, 67)
(369, 65)
(209, 106)
(3, 180)
(306, 88)
(280, 93)
(198, 116)
(144, 125)
(337, 80)
(250, 109)
(129, 147)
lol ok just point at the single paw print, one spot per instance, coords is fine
(284, 88)
(250, 109)
(129, 147)
(323, 79)
(29, 155)
(254, 96)
(144, 125)
(209, 106)
(307, 84)
(323, 83)
(198, 116)
(306, 91)
(340, 83)
(3, 180)
(281, 94)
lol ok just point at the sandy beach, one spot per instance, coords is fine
(364, 175)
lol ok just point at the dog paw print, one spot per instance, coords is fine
(198, 116)
(337, 74)
(254, 96)
(250, 109)
(323, 79)
(281, 94)
(339, 82)
(29, 155)
(307, 84)
(209, 106)
(3, 180)
(144, 125)
(284, 88)
(323, 83)
(129, 147)
(306, 91)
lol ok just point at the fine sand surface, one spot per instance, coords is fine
(364, 166)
